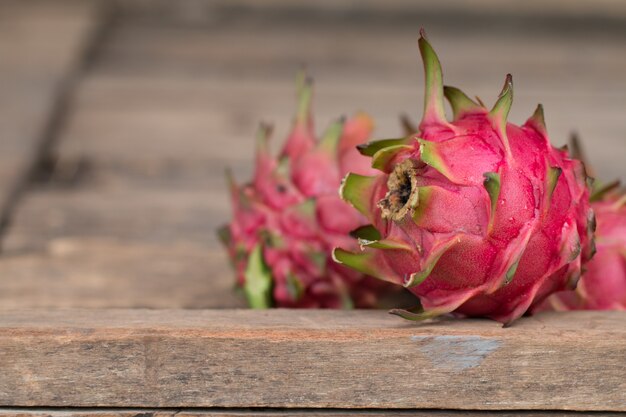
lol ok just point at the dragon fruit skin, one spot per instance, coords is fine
(476, 216)
(289, 218)
(603, 284)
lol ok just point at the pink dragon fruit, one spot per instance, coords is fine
(603, 284)
(476, 216)
(290, 217)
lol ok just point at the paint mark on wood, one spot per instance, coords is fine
(456, 353)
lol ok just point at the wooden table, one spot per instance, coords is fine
(117, 121)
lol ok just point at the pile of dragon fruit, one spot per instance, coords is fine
(475, 216)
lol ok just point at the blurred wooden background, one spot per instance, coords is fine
(118, 119)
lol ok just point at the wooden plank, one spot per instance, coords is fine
(152, 216)
(105, 273)
(354, 49)
(355, 57)
(155, 412)
(129, 241)
(155, 148)
(194, 11)
(90, 273)
(135, 121)
(291, 358)
(41, 44)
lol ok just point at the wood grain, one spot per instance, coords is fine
(100, 273)
(283, 358)
(165, 215)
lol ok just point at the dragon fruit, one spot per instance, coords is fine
(603, 283)
(477, 216)
(289, 218)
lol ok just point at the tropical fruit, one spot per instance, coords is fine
(476, 216)
(287, 220)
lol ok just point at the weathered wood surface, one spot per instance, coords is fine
(167, 105)
(197, 11)
(103, 273)
(125, 218)
(166, 216)
(283, 358)
(142, 412)
(357, 68)
(41, 44)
